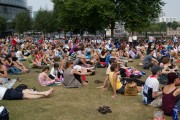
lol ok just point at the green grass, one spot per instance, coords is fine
(78, 104)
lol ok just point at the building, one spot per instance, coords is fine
(166, 19)
(171, 31)
(10, 8)
(30, 10)
(162, 18)
(34, 14)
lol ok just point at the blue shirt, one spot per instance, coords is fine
(107, 59)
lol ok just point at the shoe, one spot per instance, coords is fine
(104, 110)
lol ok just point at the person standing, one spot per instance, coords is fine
(130, 40)
(134, 40)
(175, 39)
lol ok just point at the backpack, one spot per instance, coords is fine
(4, 114)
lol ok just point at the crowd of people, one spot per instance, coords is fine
(68, 61)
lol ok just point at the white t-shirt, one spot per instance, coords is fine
(130, 39)
(19, 54)
(151, 85)
(2, 92)
(134, 37)
(151, 38)
(77, 67)
(23, 46)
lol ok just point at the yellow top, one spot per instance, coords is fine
(118, 83)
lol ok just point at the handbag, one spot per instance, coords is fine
(131, 89)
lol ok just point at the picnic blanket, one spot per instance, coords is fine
(9, 84)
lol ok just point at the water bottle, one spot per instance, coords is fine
(175, 113)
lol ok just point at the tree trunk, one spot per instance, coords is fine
(146, 35)
(112, 28)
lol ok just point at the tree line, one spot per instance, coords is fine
(92, 15)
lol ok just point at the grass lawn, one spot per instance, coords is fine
(78, 104)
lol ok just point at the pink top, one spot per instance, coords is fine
(42, 80)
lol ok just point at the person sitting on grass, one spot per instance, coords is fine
(32, 61)
(56, 72)
(44, 79)
(3, 74)
(72, 77)
(20, 55)
(14, 94)
(151, 91)
(149, 61)
(18, 64)
(171, 94)
(11, 68)
(115, 80)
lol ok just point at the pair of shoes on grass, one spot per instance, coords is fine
(104, 110)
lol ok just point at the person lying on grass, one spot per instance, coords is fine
(15, 94)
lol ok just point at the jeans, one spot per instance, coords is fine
(13, 70)
(21, 59)
(121, 90)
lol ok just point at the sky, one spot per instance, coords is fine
(171, 7)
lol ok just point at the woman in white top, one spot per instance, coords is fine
(19, 55)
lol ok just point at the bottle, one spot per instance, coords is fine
(175, 113)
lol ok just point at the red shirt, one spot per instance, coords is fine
(41, 41)
(14, 43)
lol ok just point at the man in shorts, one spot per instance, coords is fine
(17, 94)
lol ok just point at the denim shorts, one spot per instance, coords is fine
(121, 90)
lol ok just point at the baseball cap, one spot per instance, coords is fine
(155, 69)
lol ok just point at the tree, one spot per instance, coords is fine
(44, 21)
(2, 24)
(169, 24)
(174, 25)
(99, 14)
(80, 15)
(163, 26)
(139, 13)
(23, 22)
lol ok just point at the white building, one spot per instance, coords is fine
(166, 19)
